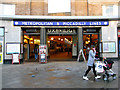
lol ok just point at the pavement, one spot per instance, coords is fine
(56, 74)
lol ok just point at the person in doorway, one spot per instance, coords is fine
(90, 63)
(68, 50)
(36, 52)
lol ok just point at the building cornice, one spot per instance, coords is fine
(28, 17)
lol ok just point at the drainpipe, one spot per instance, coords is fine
(87, 8)
(30, 7)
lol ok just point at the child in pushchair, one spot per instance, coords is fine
(108, 70)
(105, 68)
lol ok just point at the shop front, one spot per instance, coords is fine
(62, 42)
(63, 38)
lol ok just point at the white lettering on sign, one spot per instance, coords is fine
(61, 30)
(74, 23)
(95, 23)
(82, 23)
(37, 23)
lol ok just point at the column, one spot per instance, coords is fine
(74, 45)
(80, 39)
(42, 36)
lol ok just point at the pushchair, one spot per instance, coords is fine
(108, 70)
(105, 68)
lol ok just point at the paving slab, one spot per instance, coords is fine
(62, 74)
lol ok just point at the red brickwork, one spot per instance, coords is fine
(78, 7)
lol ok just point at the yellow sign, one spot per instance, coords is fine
(0, 58)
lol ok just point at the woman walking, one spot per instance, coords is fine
(90, 63)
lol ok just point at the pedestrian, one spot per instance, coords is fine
(91, 64)
(36, 52)
(68, 50)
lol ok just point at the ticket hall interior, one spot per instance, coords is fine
(59, 47)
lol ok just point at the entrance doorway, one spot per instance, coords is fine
(30, 42)
(59, 47)
(31, 39)
(118, 47)
(90, 37)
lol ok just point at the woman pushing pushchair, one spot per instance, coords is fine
(91, 64)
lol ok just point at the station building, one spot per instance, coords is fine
(64, 34)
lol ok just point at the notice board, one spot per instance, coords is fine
(109, 46)
(12, 48)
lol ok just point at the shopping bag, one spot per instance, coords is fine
(99, 67)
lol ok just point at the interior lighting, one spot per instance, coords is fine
(48, 41)
(58, 38)
(31, 39)
(61, 39)
(25, 41)
(87, 42)
(52, 38)
(31, 42)
(38, 40)
(25, 36)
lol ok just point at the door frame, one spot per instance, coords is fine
(98, 33)
(24, 28)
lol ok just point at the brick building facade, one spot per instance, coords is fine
(78, 7)
(26, 23)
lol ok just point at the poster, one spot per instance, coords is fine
(119, 47)
(108, 46)
(15, 58)
(43, 53)
(42, 49)
(105, 47)
(13, 48)
(0, 47)
(112, 47)
(100, 47)
(0, 58)
(1, 32)
(21, 48)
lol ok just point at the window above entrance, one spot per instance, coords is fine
(58, 6)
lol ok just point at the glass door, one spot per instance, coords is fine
(119, 47)
(88, 40)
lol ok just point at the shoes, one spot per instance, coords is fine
(85, 78)
(97, 77)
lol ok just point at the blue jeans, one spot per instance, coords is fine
(36, 56)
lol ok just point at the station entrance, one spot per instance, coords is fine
(59, 47)
(91, 37)
(31, 40)
(62, 43)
